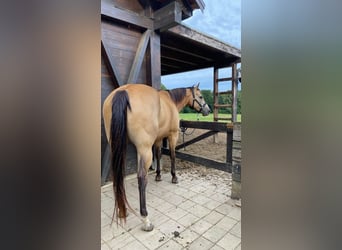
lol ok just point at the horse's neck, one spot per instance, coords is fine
(181, 103)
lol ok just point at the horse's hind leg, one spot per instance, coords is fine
(144, 161)
(157, 151)
(172, 141)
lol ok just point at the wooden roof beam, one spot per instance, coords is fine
(108, 10)
(168, 16)
(206, 40)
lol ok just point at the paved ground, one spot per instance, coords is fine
(199, 208)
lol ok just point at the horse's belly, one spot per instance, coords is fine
(167, 129)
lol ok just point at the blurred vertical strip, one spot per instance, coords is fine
(50, 124)
(291, 136)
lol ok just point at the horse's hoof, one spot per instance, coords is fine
(147, 228)
(158, 178)
(174, 180)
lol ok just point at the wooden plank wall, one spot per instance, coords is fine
(122, 43)
(107, 86)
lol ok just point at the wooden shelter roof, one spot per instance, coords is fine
(184, 49)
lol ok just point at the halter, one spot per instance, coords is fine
(195, 100)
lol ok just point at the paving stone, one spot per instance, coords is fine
(155, 240)
(211, 204)
(176, 214)
(198, 189)
(235, 213)
(187, 204)
(170, 245)
(105, 219)
(174, 199)
(104, 246)
(236, 230)
(200, 199)
(216, 247)
(224, 209)
(154, 201)
(107, 233)
(169, 227)
(214, 234)
(229, 241)
(120, 241)
(220, 197)
(157, 218)
(132, 223)
(165, 207)
(226, 223)
(188, 194)
(186, 237)
(134, 245)
(199, 211)
(201, 226)
(238, 247)
(213, 217)
(188, 220)
(201, 244)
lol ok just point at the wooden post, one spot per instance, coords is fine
(215, 137)
(234, 92)
(229, 147)
(153, 65)
(215, 94)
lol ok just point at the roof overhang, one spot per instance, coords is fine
(184, 49)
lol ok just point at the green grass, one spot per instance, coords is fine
(200, 117)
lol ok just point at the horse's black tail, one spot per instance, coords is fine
(118, 134)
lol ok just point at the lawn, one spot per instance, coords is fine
(195, 117)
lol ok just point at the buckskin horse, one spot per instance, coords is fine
(145, 116)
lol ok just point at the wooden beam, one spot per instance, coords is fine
(225, 79)
(108, 10)
(196, 139)
(189, 33)
(200, 160)
(153, 64)
(168, 16)
(109, 59)
(216, 126)
(139, 57)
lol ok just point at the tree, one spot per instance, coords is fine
(162, 87)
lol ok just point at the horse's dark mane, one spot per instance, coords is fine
(177, 95)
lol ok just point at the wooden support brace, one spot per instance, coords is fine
(139, 57)
(198, 138)
(109, 59)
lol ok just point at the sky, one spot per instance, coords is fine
(220, 19)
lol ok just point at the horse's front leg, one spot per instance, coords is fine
(172, 142)
(142, 182)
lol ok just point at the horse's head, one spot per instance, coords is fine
(198, 102)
